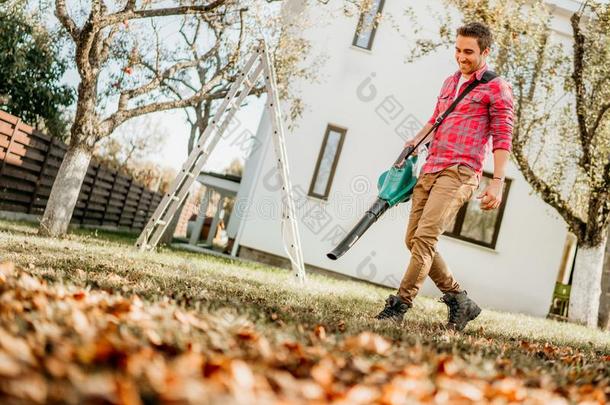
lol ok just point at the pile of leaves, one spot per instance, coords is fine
(64, 344)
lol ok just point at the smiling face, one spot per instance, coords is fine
(468, 54)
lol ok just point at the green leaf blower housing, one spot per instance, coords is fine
(396, 185)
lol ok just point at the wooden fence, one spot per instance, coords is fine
(29, 161)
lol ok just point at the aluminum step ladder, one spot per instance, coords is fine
(259, 64)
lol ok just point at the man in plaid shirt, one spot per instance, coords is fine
(453, 171)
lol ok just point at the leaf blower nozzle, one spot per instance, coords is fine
(370, 217)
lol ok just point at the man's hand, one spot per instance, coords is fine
(491, 197)
(422, 132)
(411, 142)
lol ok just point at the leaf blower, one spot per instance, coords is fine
(395, 186)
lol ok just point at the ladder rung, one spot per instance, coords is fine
(174, 198)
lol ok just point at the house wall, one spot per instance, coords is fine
(355, 86)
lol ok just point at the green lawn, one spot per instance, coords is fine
(319, 339)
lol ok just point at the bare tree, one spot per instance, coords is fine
(199, 115)
(122, 76)
(590, 220)
(129, 65)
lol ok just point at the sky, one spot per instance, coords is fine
(174, 150)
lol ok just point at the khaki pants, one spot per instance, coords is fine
(437, 197)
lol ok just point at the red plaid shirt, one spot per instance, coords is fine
(463, 137)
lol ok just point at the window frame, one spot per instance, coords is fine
(461, 215)
(373, 29)
(342, 131)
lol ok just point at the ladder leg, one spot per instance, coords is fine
(289, 220)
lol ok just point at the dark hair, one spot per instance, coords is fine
(479, 31)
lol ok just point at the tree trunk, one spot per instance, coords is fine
(604, 310)
(586, 285)
(64, 193)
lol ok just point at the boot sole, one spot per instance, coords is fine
(391, 320)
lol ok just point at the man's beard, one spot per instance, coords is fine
(469, 67)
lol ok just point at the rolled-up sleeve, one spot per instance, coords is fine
(501, 114)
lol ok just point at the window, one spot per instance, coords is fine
(367, 24)
(327, 162)
(475, 225)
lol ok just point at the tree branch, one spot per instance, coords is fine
(599, 118)
(548, 193)
(61, 12)
(157, 46)
(122, 115)
(579, 53)
(129, 6)
(159, 12)
(538, 65)
(597, 88)
(158, 79)
(185, 37)
(102, 47)
(174, 91)
(606, 172)
(102, 6)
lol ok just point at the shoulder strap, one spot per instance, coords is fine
(487, 77)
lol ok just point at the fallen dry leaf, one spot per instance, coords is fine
(8, 366)
(368, 341)
(7, 269)
(323, 373)
(17, 347)
(320, 332)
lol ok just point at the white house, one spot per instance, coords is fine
(368, 101)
